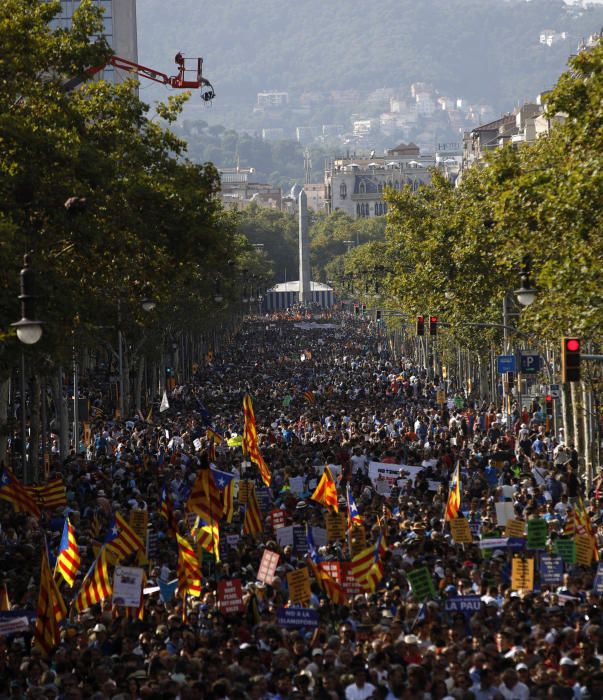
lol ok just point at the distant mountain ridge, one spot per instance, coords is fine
(484, 50)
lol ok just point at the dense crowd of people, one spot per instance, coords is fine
(325, 392)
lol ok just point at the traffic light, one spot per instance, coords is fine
(570, 359)
(511, 379)
(356, 310)
(169, 372)
(433, 325)
(363, 309)
(420, 325)
(378, 314)
(548, 400)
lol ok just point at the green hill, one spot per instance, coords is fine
(481, 49)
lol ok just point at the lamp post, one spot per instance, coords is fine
(29, 332)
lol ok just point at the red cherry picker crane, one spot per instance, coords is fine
(188, 77)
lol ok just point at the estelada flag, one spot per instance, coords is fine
(49, 496)
(326, 491)
(96, 586)
(453, 504)
(68, 559)
(12, 490)
(250, 441)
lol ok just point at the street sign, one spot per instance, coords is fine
(554, 391)
(505, 363)
(530, 363)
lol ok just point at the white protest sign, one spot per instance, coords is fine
(391, 472)
(127, 585)
(320, 536)
(284, 535)
(296, 484)
(504, 512)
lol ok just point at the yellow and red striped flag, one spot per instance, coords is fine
(310, 396)
(368, 567)
(49, 496)
(253, 524)
(328, 585)
(96, 586)
(121, 541)
(68, 559)
(4, 599)
(205, 500)
(228, 501)
(13, 491)
(50, 610)
(453, 504)
(250, 441)
(326, 491)
(208, 536)
(188, 571)
(583, 522)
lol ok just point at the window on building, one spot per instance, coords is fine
(358, 211)
(362, 188)
(397, 185)
(343, 190)
(380, 187)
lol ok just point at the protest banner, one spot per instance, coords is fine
(348, 581)
(504, 512)
(298, 583)
(537, 533)
(466, 604)
(336, 526)
(584, 550)
(598, 582)
(515, 528)
(421, 584)
(522, 573)
(460, 531)
(357, 539)
(127, 586)
(566, 548)
(551, 569)
(138, 521)
(295, 617)
(284, 535)
(230, 596)
(267, 567)
(277, 518)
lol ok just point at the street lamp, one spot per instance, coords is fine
(526, 294)
(29, 332)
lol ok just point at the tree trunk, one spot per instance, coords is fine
(578, 441)
(587, 425)
(139, 381)
(127, 383)
(34, 428)
(4, 394)
(62, 414)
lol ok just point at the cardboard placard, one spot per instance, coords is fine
(538, 531)
(584, 550)
(277, 518)
(421, 584)
(230, 596)
(460, 531)
(264, 498)
(300, 541)
(267, 567)
(551, 569)
(566, 548)
(515, 528)
(138, 521)
(284, 535)
(357, 539)
(127, 586)
(349, 583)
(298, 583)
(245, 486)
(333, 568)
(336, 526)
(522, 574)
(504, 511)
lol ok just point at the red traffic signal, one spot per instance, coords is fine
(570, 359)
(433, 325)
(549, 405)
(420, 325)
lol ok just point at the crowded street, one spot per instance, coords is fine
(304, 520)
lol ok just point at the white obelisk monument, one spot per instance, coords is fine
(305, 290)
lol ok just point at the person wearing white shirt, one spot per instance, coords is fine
(359, 689)
(512, 688)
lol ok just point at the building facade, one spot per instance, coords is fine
(119, 19)
(356, 185)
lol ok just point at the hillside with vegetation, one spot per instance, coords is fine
(482, 49)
